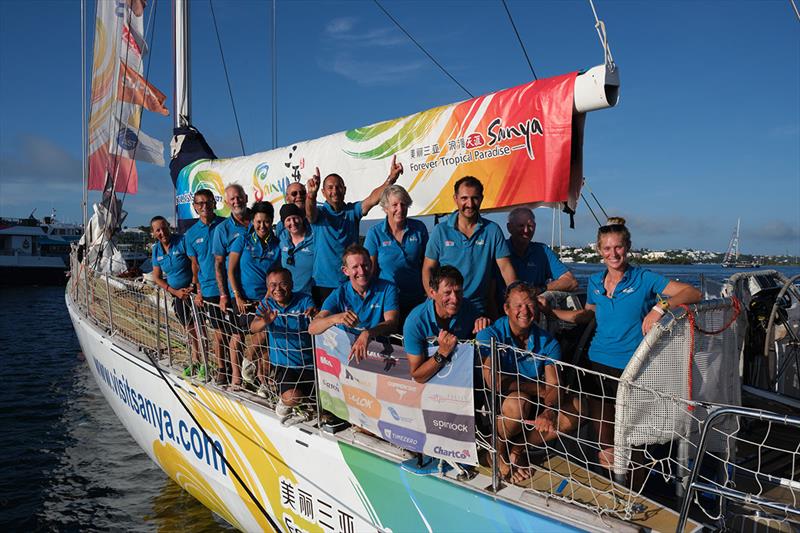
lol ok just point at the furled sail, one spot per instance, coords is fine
(523, 143)
(119, 90)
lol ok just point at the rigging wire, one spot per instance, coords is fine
(796, 12)
(519, 39)
(600, 26)
(274, 74)
(591, 210)
(586, 185)
(227, 78)
(422, 48)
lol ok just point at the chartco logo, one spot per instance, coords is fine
(455, 454)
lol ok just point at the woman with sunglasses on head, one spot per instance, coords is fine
(297, 247)
(626, 301)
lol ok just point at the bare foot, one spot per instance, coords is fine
(521, 474)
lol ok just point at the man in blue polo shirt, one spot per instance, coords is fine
(198, 240)
(472, 244)
(285, 314)
(443, 319)
(232, 227)
(335, 225)
(366, 306)
(534, 262)
(527, 378)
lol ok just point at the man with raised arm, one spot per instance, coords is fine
(534, 262)
(335, 225)
(365, 305)
(198, 240)
(234, 226)
(472, 244)
(443, 319)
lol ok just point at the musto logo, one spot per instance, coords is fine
(455, 454)
(363, 401)
(328, 363)
(452, 426)
(405, 438)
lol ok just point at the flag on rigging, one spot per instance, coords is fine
(134, 89)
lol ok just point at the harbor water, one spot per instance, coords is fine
(67, 463)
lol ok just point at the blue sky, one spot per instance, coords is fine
(707, 128)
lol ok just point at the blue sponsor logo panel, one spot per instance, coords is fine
(405, 438)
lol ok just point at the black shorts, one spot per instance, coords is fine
(318, 294)
(183, 311)
(241, 321)
(213, 313)
(295, 377)
(600, 384)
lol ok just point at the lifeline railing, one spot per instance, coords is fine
(543, 437)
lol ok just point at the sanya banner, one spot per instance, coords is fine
(436, 418)
(522, 143)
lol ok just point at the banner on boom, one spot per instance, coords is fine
(436, 418)
(522, 143)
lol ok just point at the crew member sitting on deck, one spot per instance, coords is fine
(365, 305)
(296, 195)
(627, 301)
(443, 319)
(335, 225)
(170, 259)
(251, 256)
(472, 244)
(199, 239)
(527, 379)
(297, 247)
(534, 262)
(397, 248)
(285, 315)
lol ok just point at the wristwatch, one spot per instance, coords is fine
(440, 359)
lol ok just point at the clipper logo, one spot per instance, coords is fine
(449, 243)
(455, 454)
(498, 133)
(628, 290)
(386, 243)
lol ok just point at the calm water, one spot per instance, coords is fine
(67, 463)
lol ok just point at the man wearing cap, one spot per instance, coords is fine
(297, 247)
(472, 244)
(335, 225)
(534, 262)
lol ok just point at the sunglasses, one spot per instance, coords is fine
(528, 287)
(297, 193)
(612, 228)
(290, 259)
(201, 204)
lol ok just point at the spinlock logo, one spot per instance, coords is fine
(497, 132)
(452, 426)
(447, 424)
(455, 454)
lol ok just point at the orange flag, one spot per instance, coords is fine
(134, 89)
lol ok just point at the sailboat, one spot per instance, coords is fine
(731, 259)
(259, 471)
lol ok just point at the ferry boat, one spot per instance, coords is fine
(35, 252)
(678, 406)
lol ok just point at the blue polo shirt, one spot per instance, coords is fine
(381, 296)
(421, 326)
(537, 266)
(473, 257)
(198, 240)
(255, 259)
(289, 341)
(517, 362)
(333, 232)
(175, 264)
(303, 256)
(224, 237)
(400, 262)
(619, 319)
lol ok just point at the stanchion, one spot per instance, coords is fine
(493, 391)
(110, 313)
(166, 323)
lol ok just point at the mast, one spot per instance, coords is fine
(84, 125)
(180, 44)
(736, 246)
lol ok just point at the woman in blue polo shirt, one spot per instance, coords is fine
(251, 256)
(397, 248)
(297, 248)
(169, 259)
(626, 301)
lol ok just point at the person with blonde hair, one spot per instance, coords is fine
(626, 301)
(397, 247)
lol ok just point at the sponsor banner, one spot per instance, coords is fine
(378, 394)
(519, 142)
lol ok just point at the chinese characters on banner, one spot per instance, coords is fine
(436, 418)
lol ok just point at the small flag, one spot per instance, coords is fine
(135, 144)
(133, 88)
